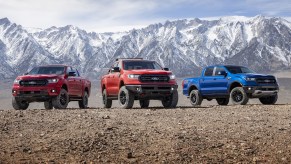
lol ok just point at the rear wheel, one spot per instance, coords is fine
(62, 100)
(107, 103)
(48, 105)
(269, 100)
(222, 101)
(144, 103)
(83, 104)
(239, 96)
(171, 101)
(195, 98)
(19, 104)
(125, 98)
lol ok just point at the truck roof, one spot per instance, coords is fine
(118, 59)
(227, 65)
(54, 65)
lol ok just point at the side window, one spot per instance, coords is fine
(76, 72)
(69, 69)
(208, 71)
(219, 69)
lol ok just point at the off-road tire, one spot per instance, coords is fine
(83, 104)
(62, 100)
(238, 96)
(19, 105)
(125, 98)
(144, 103)
(270, 100)
(195, 98)
(48, 105)
(171, 101)
(222, 101)
(107, 103)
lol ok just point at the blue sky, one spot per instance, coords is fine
(119, 15)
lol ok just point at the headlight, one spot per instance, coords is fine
(250, 79)
(52, 80)
(131, 76)
(16, 81)
(172, 77)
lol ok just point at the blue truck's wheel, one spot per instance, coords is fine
(107, 103)
(144, 103)
(269, 100)
(195, 98)
(239, 96)
(222, 101)
(125, 98)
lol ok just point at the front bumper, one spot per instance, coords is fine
(152, 91)
(35, 94)
(261, 91)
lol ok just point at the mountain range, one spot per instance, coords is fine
(185, 46)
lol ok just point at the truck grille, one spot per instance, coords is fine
(154, 78)
(29, 83)
(266, 81)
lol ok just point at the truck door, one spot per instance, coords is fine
(206, 81)
(220, 81)
(115, 79)
(78, 83)
(71, 82)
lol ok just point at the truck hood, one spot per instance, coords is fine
(254, 75)
(148, 71)
(25, 77)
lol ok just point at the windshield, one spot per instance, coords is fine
(238, 69)
(131, 65)
(47, 70)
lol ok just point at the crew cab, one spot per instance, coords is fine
(224, 82)
(132, 79)
(55, 85)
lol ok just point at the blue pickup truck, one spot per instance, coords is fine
(225, 82)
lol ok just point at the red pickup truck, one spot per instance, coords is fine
(55, 85)
(137, 79)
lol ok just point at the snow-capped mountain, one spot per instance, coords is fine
(184, 45)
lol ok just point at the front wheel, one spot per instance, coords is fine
(171, 101)
(48, 105)
(270, 100)
(107, 103)
(222, 101)
(195, 98)
(125, 98)
(62, 100)
(144, 103)
(239, 96)
(83, 104)
(19, 105)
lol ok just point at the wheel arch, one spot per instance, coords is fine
(192, 87)
(233, 85)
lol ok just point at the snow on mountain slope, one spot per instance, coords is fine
(183, 45)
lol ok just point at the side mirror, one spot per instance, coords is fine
(26, 73)
(222, 73)
(166, 69)
(72, 74)
(115, 69)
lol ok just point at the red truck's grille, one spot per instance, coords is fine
(266, 81)
(154, 78)
(29, 83)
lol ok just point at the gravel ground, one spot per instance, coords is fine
(209, 134)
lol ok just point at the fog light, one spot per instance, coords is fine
(250, 88)
(54, 91)
(13, 91)
(138, 89)
(172, 88)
